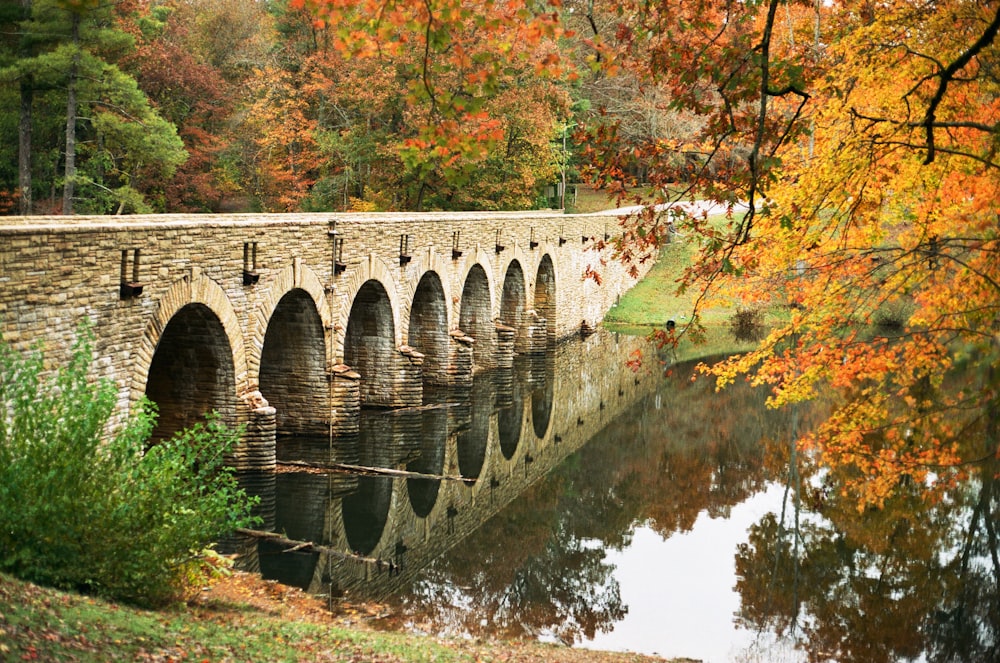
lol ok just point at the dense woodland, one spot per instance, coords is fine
(129, 106)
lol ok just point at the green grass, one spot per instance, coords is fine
(655, 300)
(588, 199)
(37, 623)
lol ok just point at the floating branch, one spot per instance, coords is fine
(364, 470)
(292, 545)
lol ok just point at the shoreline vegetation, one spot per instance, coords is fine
(241, 617)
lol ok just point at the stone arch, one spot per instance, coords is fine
(375, 269)
(427, 331)
(370, 343)
(291, 334)
(428, 312)
(192, 356)
(476, 311)
(430, 261)
(545, 301)
(295, 276)
(513, 300)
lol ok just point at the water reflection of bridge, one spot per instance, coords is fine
(501, 436)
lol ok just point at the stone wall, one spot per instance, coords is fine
(129, 275)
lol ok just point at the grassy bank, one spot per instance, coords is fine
(248, 619)
(655, 300)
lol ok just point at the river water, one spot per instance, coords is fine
(642, 511)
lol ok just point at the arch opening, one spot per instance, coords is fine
(192, 372)
(545, 301)
(476, 318)
(512, 303)
(428, 330)
(369, 344)
(293, 367)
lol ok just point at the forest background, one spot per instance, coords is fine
(226, 105)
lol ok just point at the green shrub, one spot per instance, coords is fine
(85, 505)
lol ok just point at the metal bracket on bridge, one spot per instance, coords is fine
(404, 249)
(500, 247)
(250, 274)
(339, 265)
(129, 289)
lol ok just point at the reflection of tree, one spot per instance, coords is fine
(539, 566)
(572, 604)
(522, 574)
(700, 451)
(913, 578)
(967, 627)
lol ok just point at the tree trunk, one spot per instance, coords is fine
(70, 174)
(24, 127)
(24, 148)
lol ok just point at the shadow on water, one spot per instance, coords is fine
(607, 509)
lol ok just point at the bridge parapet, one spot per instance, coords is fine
(201, 310)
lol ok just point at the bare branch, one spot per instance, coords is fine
(948, 74)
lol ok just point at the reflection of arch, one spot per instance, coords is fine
(433, 438)
(473, 436)
(197, 359)
(428, 329)
(365, 510)
(510, 418)
(366, 513)
(542, 392)
(545, 298)
(476, 316)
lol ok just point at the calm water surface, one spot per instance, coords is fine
(638, 512)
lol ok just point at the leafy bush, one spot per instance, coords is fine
(747, 324)
(85, 505)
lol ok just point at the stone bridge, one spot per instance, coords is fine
(289, 324)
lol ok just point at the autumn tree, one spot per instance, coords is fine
(171, 63)
(460, 66)
(861, 145)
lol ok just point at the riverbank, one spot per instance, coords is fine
(654, 301)
(237, 618)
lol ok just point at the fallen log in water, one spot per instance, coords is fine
(364, 470)
(291, 545)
